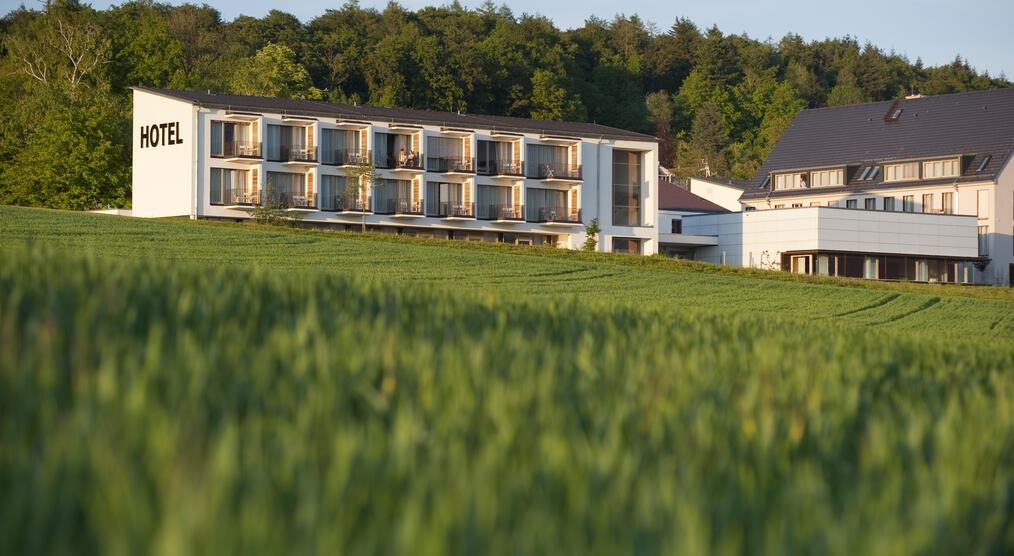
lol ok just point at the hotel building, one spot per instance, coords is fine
(444, 175)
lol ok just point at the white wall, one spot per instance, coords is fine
(752, 238)
(163, 175)
(1001, 249)
(722, 195)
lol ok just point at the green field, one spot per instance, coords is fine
(182, 387)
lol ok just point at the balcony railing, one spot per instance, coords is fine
(554, 170)
(239, 197)
(341, 203)
(397, 206)
(452, 210)
(396, 162)
(494, 168)
(239, 149)
(294, 154)
(294, 199)
(554, 214)
(344, 157)
(450, 164)
(500, 212)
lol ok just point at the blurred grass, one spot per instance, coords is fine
(340, 395)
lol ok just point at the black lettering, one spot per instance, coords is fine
(172, 135)
(179, 136)
(163, 134)
(144, 137)
(154, 134)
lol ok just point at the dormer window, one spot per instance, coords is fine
(826, 178)
(790, 181)
(901, 172)
(982, 163)
(941, 168)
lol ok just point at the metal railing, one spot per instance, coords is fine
(452, 210)
(554, 214)
(341, 203)
(396, 162)
(239, 149)
(294, 154)
(495, 168)
(397, 206)
(501, 212)
(450, 164)
(239, 197)
(554, 170)
(296, 198)
(343, 157)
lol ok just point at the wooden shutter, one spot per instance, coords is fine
(309, 185)
(517, 152)
(467, 148)
(517, 195)
(573, 198)
(364, 139)
(573, 157)
(310, 132)
(467, 186)
(415, 143)
(415, 189)
(254, 136)
(253, 180)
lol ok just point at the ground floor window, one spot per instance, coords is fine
(626, 245)
(880, 267)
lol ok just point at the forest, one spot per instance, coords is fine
(713, 99)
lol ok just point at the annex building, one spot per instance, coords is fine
(918, 189)
(441, 175)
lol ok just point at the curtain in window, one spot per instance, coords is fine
(216, 138)
(489, 199)
(380, 148)
(332, 192)
(332, 143)
(541, 156)
(273, 140)
(216, 186)
(539, 202)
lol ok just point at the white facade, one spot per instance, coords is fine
(769, 238)
(721, 194)
(176, 179)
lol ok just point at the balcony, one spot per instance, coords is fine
(295, 200)
(554, 171)
(452, 211)
(555, 216)
(394, 162)
(401, 207)
(240, 199)
(240, 151)
(502, 214)
(451, 165)
(345, 157)
(341, 203)
(294, 155)
(497, 169)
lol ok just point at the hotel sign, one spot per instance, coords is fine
(156, 135)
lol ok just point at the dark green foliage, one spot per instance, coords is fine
(192, 387)
(487, 60)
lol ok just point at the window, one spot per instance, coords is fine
(894, 114)
(947, 202)
(229, 139)
(982, 163)
(899, 172)
(677, 225)
(870, 268)
(927, 202)
(983, 241)
(908, 203)
(790, 181)
(852, 203)
(826, 178)
(940, 169)
(626, 245)
(333, 195)
(286, 142)
(444, 154)
(982, 206)
(287, 189)
(779, 206)
(543, 161)
(767, 180)
(815, 204)
(862, 175)
(228, 186)
(832, 203)
(873, 174)
(338, 146)
(626, 188)
(496, 158)
(797, 205)
(870, 203)
(396, 150)
(889, 204)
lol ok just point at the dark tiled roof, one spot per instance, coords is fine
(973, 124)
(398, 115)
(674, 197)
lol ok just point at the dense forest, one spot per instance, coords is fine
(711, 98)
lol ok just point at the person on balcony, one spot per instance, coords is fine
(547, 171)
(402, 157)
(411, 157)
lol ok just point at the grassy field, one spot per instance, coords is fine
(181, 387)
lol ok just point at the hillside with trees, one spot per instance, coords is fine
(708, 96)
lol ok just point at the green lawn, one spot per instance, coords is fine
(182, 387)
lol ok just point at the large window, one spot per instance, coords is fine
(232, 139)
(447, 199)
(445, 154)
(889, 203)
(940, 169)
(394, 150)
(900, 172)
(228, 186)
(908, 203)
(333, 195)
(927, 202)
(947, 202)
(394, 197)
(852, 203)
(547, 161)
(626, 188)
(494, 202)
(983, 241)
(496, 158)
(286, 142)
(547, 205)
(790, 181)
(339, 146)
(825, 178)
(870, 203)
(626, 245)
(287, 189)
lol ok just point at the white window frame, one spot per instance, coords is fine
(903, 171)
(948, 168)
